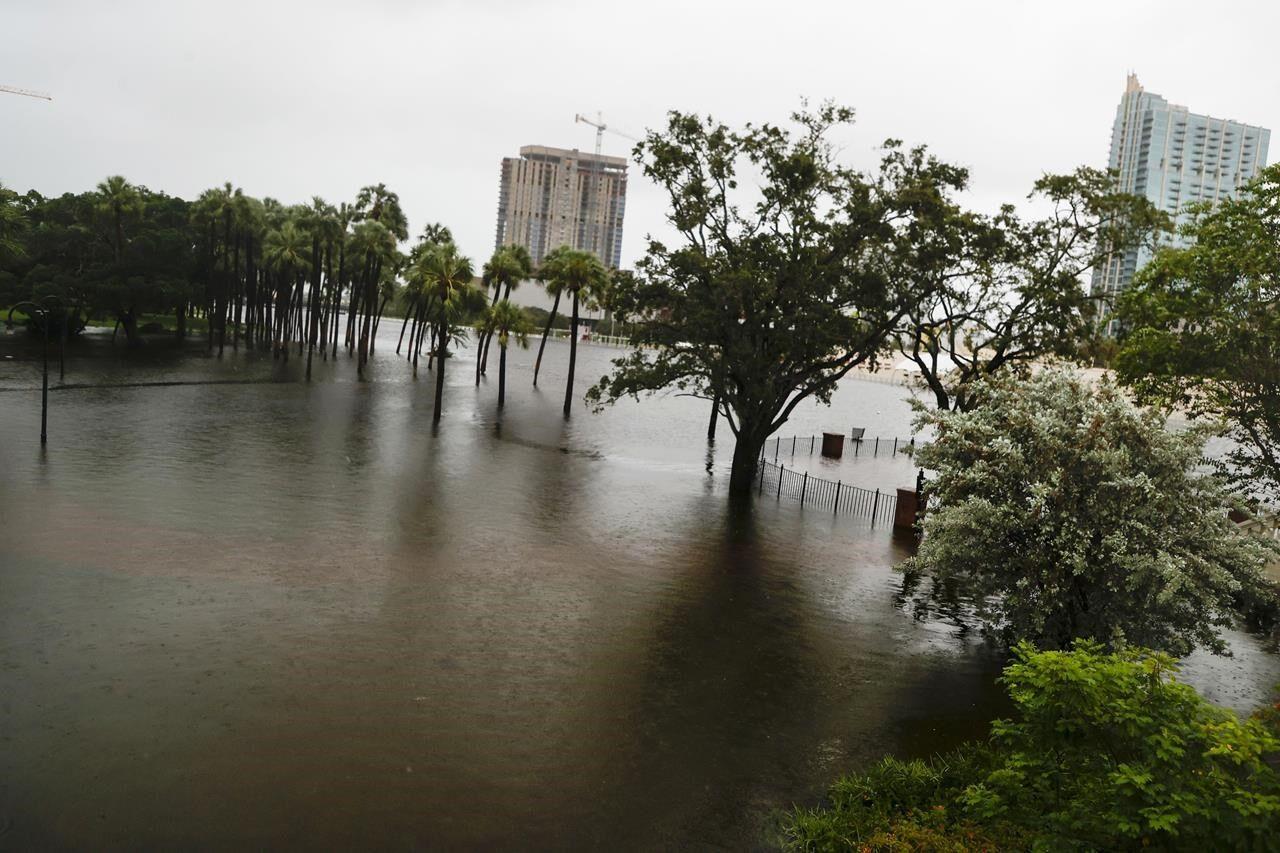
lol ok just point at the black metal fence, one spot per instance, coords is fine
(880, 507)
(811, 444)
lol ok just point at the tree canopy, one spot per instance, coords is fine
(782, 279)
(1203, 329)
(999, 293)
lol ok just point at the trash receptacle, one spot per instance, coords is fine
(833, 444)
(904, 517)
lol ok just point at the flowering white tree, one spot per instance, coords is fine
(1064, 512)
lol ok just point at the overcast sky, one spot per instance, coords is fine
(294, 99)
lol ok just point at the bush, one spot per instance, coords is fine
(1064, 512)
(1106, 751)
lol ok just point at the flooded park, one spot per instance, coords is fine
(239, 609)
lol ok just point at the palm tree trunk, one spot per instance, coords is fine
(224, 289)
(482, 346)
(239, 289)
(209, 287)
(409, 312)
(324, 303)
(251, 290)
(573, 356)
(444, 354)
(502, 374)
(537, 364)
(377, 321)
(337, 295)
(313, 304)
(415, 337)
(365, 284)
(337, 315)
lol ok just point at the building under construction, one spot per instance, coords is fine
(553, 197)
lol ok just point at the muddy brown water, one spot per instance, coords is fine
(273, 613)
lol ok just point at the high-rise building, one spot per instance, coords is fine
(553, 197)
(1174, 158)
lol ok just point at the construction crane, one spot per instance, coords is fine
(600, 127)
(30, 94)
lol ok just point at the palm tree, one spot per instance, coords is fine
(509, 266)
(419, 295)
(550, 281)
(506, 321)
(434, 233)
(376, 244)
(447, 275)
(250, 218)
(584, 277)
(228, 202)
(286, 252)
(375, 204)
(118, 199)
(320, 220)
(381, 205)
(342, 228)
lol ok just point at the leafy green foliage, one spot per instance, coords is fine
(774, 292)
(1064, 512)
(1110, 748)
(1104, 752)
(901, 805)
(123, 250)
(1204, 329)
(12, 223)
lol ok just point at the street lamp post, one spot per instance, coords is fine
(43, 307)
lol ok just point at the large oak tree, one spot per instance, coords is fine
(782, 279)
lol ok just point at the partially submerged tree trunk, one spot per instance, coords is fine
(573, 356)
(537, 364)
(502, 375)
(442, 348)
(128, 320)
(746, 458)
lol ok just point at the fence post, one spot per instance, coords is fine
(895, 446)
(804, 487)
(782, 469)
(877, 450)
(856, 445)
(793, 445)
(836, 511)
(762, 464)
(776, 442)
(875, 506)
(811, 438)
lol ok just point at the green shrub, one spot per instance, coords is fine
(1062, 512)
(1106, 751)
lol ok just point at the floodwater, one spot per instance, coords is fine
(270, 613)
